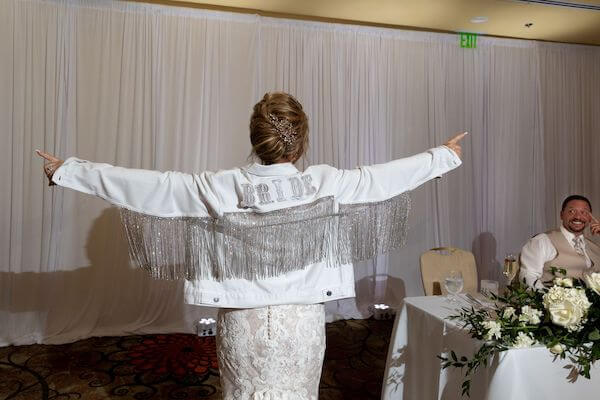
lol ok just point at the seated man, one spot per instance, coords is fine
(566, 247)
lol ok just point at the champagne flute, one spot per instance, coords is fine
(453, 283)
(510, 268)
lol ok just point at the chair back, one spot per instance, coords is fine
(438, 262)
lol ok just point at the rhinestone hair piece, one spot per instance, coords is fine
(285, 129)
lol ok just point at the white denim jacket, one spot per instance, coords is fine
(257, 188)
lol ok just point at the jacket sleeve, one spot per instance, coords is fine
(165, 194)
(383, 181)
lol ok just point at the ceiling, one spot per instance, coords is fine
(506, 18)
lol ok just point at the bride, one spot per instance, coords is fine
(266, 243)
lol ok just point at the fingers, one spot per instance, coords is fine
(594, 225)
(43, 155)
(47, 156)
(51, 164)
(457, 138)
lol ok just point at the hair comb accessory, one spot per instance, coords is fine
(285, 129)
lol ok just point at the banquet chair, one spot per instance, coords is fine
(438, 262)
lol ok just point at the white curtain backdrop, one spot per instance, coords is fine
(171, 88)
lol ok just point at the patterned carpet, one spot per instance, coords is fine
(178, 366)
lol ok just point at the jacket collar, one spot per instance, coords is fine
(272, 169)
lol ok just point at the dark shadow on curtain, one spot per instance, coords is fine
(484, 250)
(62, 301)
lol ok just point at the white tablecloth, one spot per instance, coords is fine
(421, 333)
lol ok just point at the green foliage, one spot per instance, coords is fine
(581, 347)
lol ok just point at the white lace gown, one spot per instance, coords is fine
(271, 353)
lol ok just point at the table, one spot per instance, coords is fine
(413, 371)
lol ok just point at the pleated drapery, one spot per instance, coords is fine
(171, 88)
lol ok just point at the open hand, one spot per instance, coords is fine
(453, 144)
(51, 164)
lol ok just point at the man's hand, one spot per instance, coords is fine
(51, 164)
(594, 225)
(453, 145)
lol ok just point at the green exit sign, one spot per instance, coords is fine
(468, 40)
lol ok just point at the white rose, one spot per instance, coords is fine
(567, 307)
(565, 313)
(557, 348)
(564, 282)
(494, 329)
(593, 281)
(530, 315)
(509, 312)
(523, 340)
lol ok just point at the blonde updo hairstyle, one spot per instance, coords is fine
(267, 142)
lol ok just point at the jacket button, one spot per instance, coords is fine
(216, 299)
(328, 293)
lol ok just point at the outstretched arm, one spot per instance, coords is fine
(166, 194)
(383, 181)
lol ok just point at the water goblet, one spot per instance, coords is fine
(453, 283)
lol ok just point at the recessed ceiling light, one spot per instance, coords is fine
(479, 20)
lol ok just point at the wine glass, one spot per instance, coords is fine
(453, 283)
(510, 268)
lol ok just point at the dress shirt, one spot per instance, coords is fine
(538, 251)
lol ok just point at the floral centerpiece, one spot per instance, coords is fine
(564, 316)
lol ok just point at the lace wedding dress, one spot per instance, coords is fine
(271, 353)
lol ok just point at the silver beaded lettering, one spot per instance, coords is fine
(297, 189)
(248, 198)
(278, 189)
(262, 190)
(308, 187)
